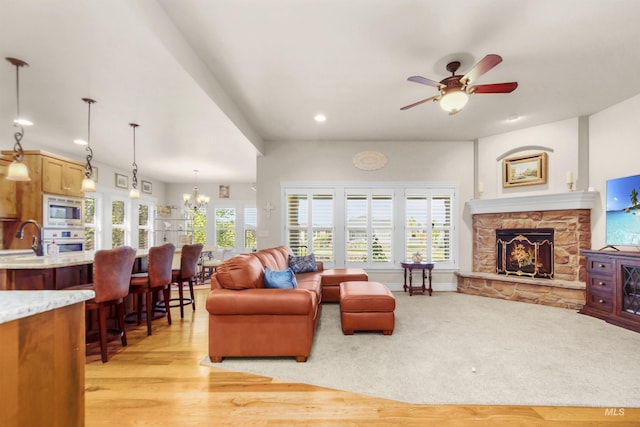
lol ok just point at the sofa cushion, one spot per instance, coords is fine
(303, 264)
(279, 279)
(240, 272)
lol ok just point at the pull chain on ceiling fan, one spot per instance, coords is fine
(455, 89)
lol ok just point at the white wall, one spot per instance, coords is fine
(332, 162)
(560, 140)
(614, 140)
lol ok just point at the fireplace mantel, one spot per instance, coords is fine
(545, 202)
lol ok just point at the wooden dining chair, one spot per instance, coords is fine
(111, 275)
(157, 278)
(188, 272)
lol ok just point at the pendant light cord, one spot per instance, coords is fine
(134, 179)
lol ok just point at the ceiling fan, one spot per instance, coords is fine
(455, 89)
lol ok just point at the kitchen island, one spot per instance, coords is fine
(42, 358)
(52, 272)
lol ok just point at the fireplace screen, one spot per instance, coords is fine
(525, 252)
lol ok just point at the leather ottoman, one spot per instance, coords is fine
(332, 278)
(366, 306)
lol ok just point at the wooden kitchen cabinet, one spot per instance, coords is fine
(50, 174)
(61, 177)
(8, 198)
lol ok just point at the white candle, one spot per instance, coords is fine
(569, 177)
(480, 187)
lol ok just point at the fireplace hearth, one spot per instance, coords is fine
(525, 252)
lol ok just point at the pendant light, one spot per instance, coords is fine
(88, 184)
(134, 193)
(17, 170)
(195, 201)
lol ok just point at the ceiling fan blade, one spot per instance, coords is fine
(424, 81)
(494, 88)
(406, 107)
(485, 64)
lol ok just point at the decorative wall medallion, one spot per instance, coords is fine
(369, 160)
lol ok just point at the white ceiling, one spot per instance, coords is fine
(210, 80)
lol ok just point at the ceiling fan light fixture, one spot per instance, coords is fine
(454, 100)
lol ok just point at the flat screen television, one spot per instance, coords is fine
(623, 211)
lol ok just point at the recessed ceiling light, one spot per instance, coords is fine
(513, 118)
(320, 118)
(80, 142)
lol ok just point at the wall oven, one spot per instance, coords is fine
(62, 212)
(67, 240)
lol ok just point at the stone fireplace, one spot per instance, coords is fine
(561, 282)
(525, 252)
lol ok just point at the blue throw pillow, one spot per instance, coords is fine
(303, 264)
(274, 279)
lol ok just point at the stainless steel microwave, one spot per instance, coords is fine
(62, 211)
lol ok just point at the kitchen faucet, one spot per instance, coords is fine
(37, 240)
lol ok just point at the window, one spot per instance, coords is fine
(226, 227)
(310, 223)
(250, 223)
(373, 226)
(428, 225)
(91, 231)
(369, 227)
(144, 226)
(118, 222)
(199, 225)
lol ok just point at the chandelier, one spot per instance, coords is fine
(17, 170)
(195, 201)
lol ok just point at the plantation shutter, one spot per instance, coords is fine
(310, 227)
(441, 228)
(428, 224)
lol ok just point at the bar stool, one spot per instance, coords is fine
(157, 278)
(111, 275)
(211, 260)
(188, 272)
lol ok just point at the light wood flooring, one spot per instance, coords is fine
(157, 381)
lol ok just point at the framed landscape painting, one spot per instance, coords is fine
(525, 170)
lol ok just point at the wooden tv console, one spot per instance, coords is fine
(613, 287)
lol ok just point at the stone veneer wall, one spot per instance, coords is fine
(572, 234)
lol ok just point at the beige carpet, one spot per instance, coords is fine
(523, 354)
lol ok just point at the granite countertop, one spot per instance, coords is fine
(19, 304)
(14, 252)
(48, 261)
(31, 261)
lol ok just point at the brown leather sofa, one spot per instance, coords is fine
(246, 319)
